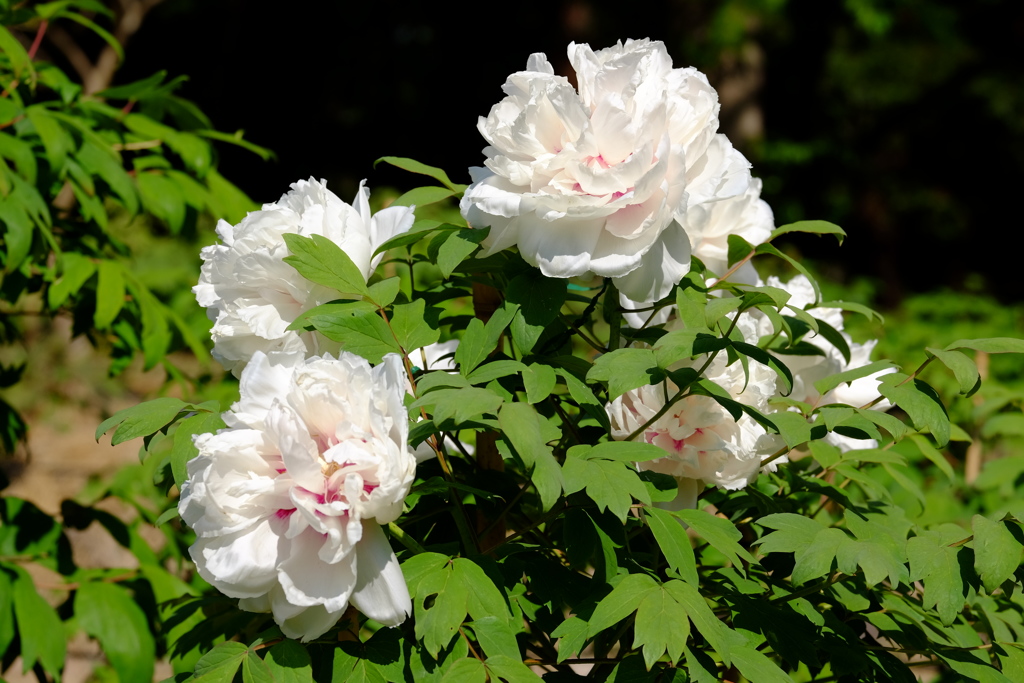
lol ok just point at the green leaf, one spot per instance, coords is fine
(936, 564)
(814, 227)
(104, 162)
(835, 338)
(997, 554)
(1003, 424)
(436, 625)
(383, 293)
(964, 369)
(15, 52)
(485, 600)
(756, 667)
(496, 637)
(456, 247)
(674, 543)
(495, 369)
(459, 405)
(661, 626)
(625, 370)
(220, 664)
(766, 248)
(7, 631)
(183, 449)
(414, 166)
(362, 333)
(679, 345)
(156, 334)
(423, 196)
(333, 308)
(929, 451)
(815, 560)
(411, 327)
(510, 669)
(109, 294)
(255, 670)
(719, 532)
(891, 424)
(920, 402)
(41, 630)
(826, 385)
(792, 532)
(57, 142)
(290, 663)
(468, 670)
(142, 420)
(106, 612)
(163, 198)
(17, 235)
(716, 633)
(624, 451)
(521, 425)
(473, 348)
(573, 635)
(990, 345)
(718, 307)
(690, 305)
(624, 599)
(610, 484)
(320, 260)
(540, 299)
(75, 271)
(539, 381)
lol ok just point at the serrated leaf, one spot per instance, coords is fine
(713, 630)
(320, 260)
(220, 664)
(997, 554)
(792, 532)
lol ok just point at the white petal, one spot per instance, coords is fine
(308, 581)
(381, 592)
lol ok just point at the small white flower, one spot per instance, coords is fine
(252, 295)
(287, 503)
(601, 180)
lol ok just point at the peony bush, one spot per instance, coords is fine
(573, 430)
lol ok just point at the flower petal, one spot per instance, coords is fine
(380, 592)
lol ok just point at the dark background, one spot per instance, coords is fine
(902, 121)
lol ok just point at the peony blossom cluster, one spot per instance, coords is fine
(287, 502)
(252, 295)
(623, 178)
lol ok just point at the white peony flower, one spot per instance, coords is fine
(287, 503)
(252, 295)
(809, 369)
(704, 445)
(708, 227)
(601, 180)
